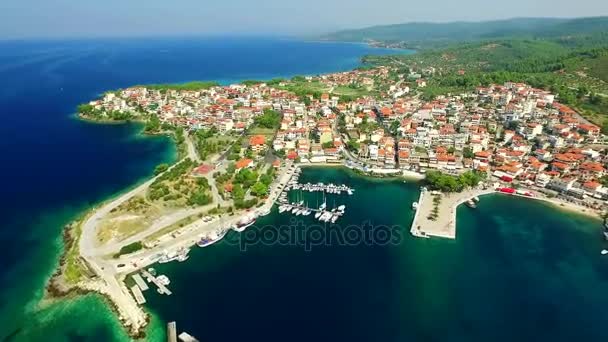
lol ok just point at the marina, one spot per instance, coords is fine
(301, 207)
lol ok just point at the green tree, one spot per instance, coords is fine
(259, 189)
(161, 168)
(153, 124)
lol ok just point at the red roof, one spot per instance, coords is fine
(257, 140)
(203, 169)
(243, 163)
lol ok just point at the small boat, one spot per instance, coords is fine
(152, 271)
(604, 251)
(476, 199)
(342, 207)
(244, 223)
(471, 204)
(204, 242)
(317, 214)
(168, 257)
(163, 279)
(415, 205)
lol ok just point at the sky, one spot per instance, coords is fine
(110, 18)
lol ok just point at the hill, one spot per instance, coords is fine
(432, 34)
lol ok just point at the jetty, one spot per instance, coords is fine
(140, 282)
(443, 224)
(139, 297)
(162, 289)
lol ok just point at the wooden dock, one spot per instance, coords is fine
(140, 282)
(171, 332)
(162, 289)
(139, 297)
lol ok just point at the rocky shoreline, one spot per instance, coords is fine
(57, 288)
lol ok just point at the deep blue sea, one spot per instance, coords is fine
(54, 166)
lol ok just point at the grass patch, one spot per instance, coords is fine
(175, 226)
(130, 248)
(73, 270)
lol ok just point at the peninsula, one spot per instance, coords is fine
(238, 145)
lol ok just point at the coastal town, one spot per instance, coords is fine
(243, 144)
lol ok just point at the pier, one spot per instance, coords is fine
(321, 187)
(140, 282)
(139, 297)
(171, 332)
(414, 230)
(444, 224)
(185, 337)
(162, 289)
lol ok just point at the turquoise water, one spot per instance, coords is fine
(520, 270)
(54, 167)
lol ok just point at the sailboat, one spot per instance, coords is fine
(324, 204)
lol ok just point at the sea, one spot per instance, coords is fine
(519, 270)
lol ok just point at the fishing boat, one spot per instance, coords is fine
(244, 223)
(264, 212)
(168, 257)
(205, 241)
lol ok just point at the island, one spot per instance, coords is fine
(438, 115)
